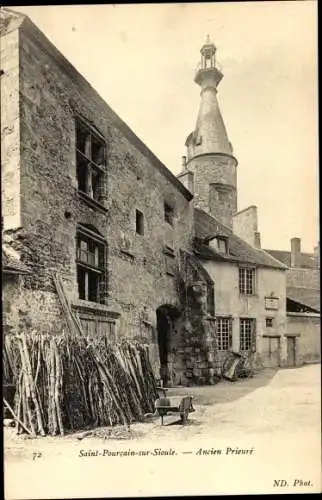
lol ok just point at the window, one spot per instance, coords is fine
(91, 268)
(170, 261)
(90, 161)
(269, 322)
(168, 214)
(247, 280)
(139, 222)
(224, 333)
(247, 334)
(219, 244)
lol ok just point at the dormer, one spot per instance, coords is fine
(220, 244)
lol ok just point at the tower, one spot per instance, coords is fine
(209, 152)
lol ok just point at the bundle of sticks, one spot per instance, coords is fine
(65, 383)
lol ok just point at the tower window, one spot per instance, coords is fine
(139, 222)
(168, 214)
(269, 322)
(247, 280)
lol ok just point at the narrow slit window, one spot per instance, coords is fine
(168, 214)
(139, 222)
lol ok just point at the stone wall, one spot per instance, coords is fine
(303, 278)
(10, 130)
(51, 95)
(308, 343)
(212, 171)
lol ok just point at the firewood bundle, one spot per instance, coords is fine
(65, 383)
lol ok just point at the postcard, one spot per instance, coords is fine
(160, 250)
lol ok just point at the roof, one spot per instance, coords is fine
(309, 297)
(207, 227)
(11, 20)
(11, 262)
(308, 260)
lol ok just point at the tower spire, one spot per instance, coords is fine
(208, 146)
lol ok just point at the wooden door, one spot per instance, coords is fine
(291, 351)
(271, 352)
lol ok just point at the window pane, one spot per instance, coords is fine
(81, 277)
(81, 173)
(81, 138)
(247, 334)
(93, 287)
(224, 333)
(247, 281)
(89, 177)
(98, 151)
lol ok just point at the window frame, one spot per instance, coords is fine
(251, 331)
(271, 320)
(139, 222)
(169, 214)
(216, 247)
(243, 281)
(227, 331)
(90, 270)
(87, 165)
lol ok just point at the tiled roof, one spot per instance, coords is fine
(11, 262)
(307, 259)
(309, 297)
(207, 227)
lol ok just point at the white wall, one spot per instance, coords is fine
(228, 300)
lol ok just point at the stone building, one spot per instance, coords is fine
(141, 253)
(84, 197)
(249, 283)
(303, 302)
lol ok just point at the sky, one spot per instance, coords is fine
(142, 58)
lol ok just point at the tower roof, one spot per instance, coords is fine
(210, 134)
(210, 127)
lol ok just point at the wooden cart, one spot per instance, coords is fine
(183, 406)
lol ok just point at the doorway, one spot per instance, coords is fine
(167, 316)
(291, 353)
(271, 352)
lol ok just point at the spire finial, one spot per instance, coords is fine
(208, 39)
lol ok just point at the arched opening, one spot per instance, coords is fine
(167, 330)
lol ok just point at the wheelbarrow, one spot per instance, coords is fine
(183, 406)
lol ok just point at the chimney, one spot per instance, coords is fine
(296, 252)
(245, 225)
(257, 240)
(186, 176)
